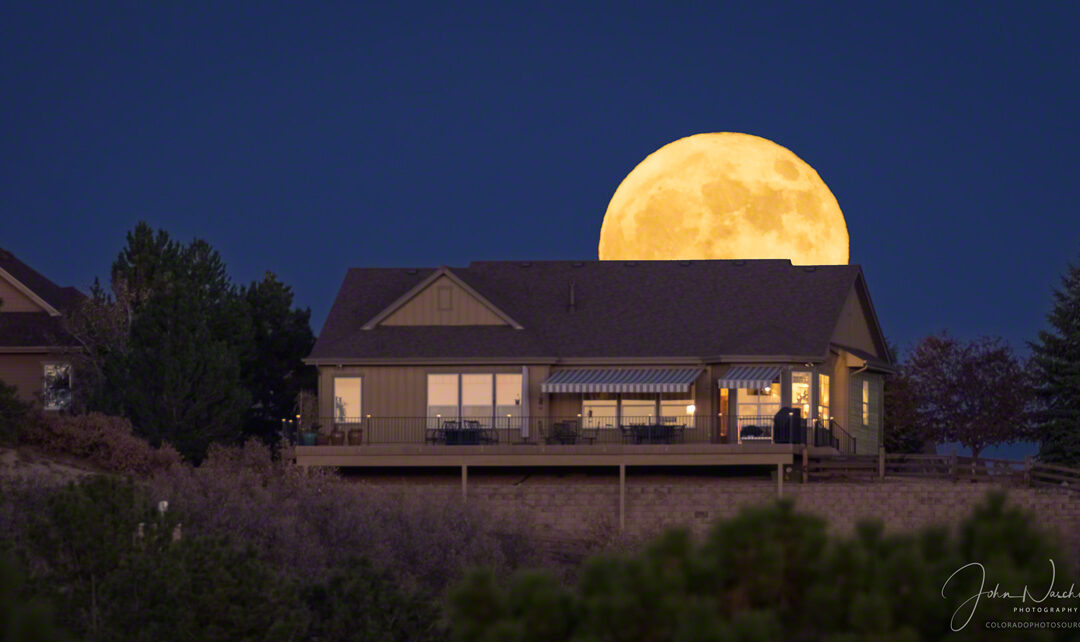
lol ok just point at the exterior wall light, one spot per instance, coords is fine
(690, 409)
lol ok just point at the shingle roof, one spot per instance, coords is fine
(32, 329)
(61, 298)
(694, 309)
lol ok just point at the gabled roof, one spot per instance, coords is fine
(707, 310)
(35, 329)
(423, 285)
(55, 299)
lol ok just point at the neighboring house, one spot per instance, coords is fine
(35, 349)
(605, 362)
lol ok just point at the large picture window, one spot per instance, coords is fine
(492, 399)
(348, 393)
(508, 397)
(606, 410)
(600, 409)
(758, 402)
(442, 396)
(477, 398)
(57, 392)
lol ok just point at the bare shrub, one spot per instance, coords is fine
(309, 522)
(107, 442)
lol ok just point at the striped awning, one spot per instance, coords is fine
(619, 380)
(750, 377)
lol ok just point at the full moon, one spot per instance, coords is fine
(724, 196)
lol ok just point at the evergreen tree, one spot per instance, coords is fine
(186, 355)
(1056, 360)
(272, 365)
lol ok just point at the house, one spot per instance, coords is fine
(599, 362)
(35, 348)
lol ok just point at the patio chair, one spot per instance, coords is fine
(589, 435)
(628, 434)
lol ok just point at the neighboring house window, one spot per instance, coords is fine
(800, 392)
(347, 398)
(57, 393)
(492, 399)
(823, 398)
(758, 402)
(865, 403)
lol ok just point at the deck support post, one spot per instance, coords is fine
(1027, 470)
(881, 462)
(464, 482)
(622, 498)
(805, 464)
(779, 480)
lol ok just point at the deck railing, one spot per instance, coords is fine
(575, 429)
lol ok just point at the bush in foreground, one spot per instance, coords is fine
(311, 522)
(107, 442)
(771, 573)
(116, 569)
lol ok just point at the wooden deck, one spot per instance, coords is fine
(427, 455)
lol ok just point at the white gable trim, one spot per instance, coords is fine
(423, 285)
(18, 285)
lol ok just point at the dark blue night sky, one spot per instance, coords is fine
(308, 139)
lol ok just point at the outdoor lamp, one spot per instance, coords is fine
(690, 409)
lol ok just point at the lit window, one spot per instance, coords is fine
(800, 392)
(493, 400)
(477, 398)
(57, 393)
(442, 396)
(508, 400)
(823, 398)
(866, 403)
(758, 402)
(347, 398)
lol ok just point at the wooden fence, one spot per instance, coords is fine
(952, 467)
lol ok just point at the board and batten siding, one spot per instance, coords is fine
(14, 300)
(866, 435)
(443, 303)
(26, 372)
(394, 391)
(853, 327)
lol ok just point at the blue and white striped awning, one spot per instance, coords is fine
(619, 380)
(750, 377)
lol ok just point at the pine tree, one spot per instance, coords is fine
(1056, 360)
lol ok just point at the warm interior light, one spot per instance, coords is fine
(767, 389)
(690, 409)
